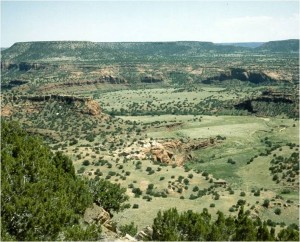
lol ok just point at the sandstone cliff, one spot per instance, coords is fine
(33, 104)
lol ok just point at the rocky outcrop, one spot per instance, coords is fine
(92, 108)
(17, 82)
(176, 152)
(101, 80)
(13, 83)
(128, 238)
(6, 110)
(22, 66)
(276, 96)
(151, 79)
(8, 65)
(145, 234)
(162, 155)
(198, 145)
(85, 105)
(25, 66)
(64, 98)
(168, 152)
(98, 215)
(112, 80)
(268, 96)
(245, 75)
(281, 102)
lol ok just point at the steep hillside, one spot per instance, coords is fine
(291, 45)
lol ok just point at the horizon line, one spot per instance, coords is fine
(155, 41)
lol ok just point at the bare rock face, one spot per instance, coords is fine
(253, 76)
(92, 108)
(176, 152)
(112, 79)
(162, 155)
(152, 79)
(6, 110)
(98, 215)
(145, 234)
(8, 65)
(278, 98)
(25, 66)
(101, 80)
(127, 237)
(31, 104)
(165, 152)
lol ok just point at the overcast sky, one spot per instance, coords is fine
(109, 21)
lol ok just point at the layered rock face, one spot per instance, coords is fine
(145, 234)
(272, 103)
(22, 66)
(176, 152)
(247, 75)
(167, 152)
(151, 79)
(31, 104)
(103, 79)
(97, 215)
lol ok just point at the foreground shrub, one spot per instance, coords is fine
(110, 196)
(170, 225)
(130, 229)
(40, 194)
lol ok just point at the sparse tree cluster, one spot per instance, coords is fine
(170, 225)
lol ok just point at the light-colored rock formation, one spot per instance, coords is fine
(92, 108)
(31, 104)
(168, 152)
(145, 234)
(98, 215)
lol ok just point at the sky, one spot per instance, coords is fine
(118, 21)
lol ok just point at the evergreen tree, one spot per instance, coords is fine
(165, 226)
(40, 194)
(288, 234)
(108, 195)
(245, 229)
(193, 226)
(219, 230)
(263, 233)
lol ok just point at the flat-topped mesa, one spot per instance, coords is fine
(61, 51)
